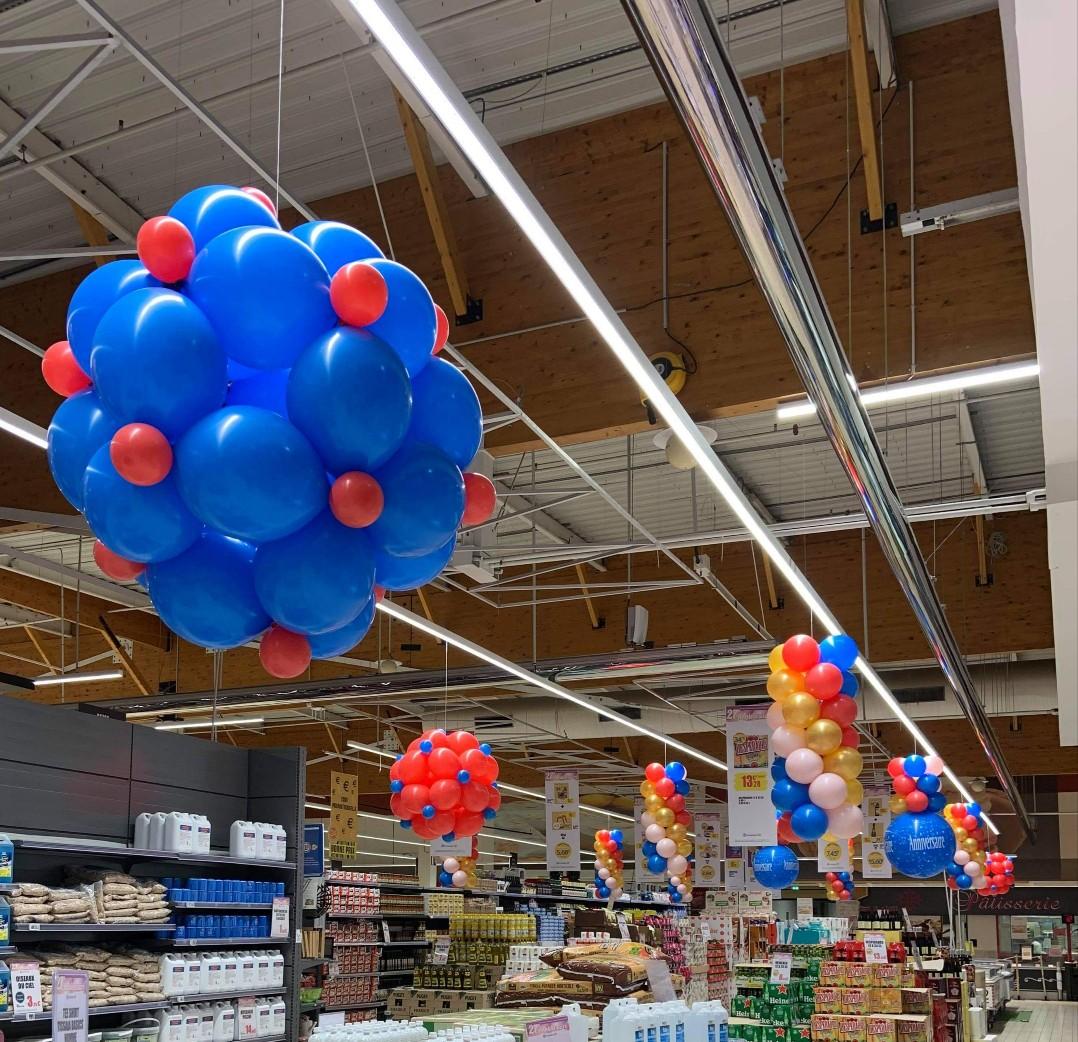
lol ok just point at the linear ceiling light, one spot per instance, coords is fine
(404, 45)
(925, 387)
(31, 432)
(78, 678)
(530, 794)
(191, 725)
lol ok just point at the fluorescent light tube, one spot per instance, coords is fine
(190, 725)
(371, 749)
(31, 432)
(582, 806)
(78, 678)
(924, 388)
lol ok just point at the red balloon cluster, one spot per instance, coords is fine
(444, 785)
(998, 874)
(839, 886)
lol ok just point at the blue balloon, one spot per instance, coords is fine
(79, 427)
(846, 877)
(656, 863)
(675, 897)
(602, 891)
(249, 473)
(336, 244)
(424, 501)
(215, 209)
(266, 389)
(408, 573)
(396, 785)
(778, 768)
(974, 809)
(408, 324)
(919, 845)
(839, 650)
(315, 580)
(683, 787)
(265, 294)
(156, 360)
(426, 746)
(349, 393)
(446, 413)
(617, 836)
(342, 640)
(207, 594)
(444, 878)
(937, 802)
(962, 881)
(914, 765)
(95, 295)
(139, 522)
(788, 795)
(429, 811)
(675, 771)
(808, 821)
(775, 867)
(647, 848)
(929, 783)
(850, 685)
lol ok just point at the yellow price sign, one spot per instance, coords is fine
(750, 781)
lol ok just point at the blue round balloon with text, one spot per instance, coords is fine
(919, 845)
(775, 867)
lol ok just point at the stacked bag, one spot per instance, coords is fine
(37, 903)
(118, 976)
(124, 900)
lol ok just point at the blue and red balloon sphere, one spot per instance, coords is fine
(258, 428)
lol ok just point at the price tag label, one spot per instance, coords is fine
(25, 987)
(386, 937)
(70, 1006)
(781, 965)
(659, 981)
(279, 917)
(440, 955)
(1027, 953)
(331, 1020)
(33, 927)
(875, 948)
(750, 781)
(548, 1029)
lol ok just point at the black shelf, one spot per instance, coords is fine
(221, 906)
(357, 944)
(94, 1011)
(242, 994)
(635, 903)
(231, 942)
(116, 852)
(353, 1005)
(28, 928)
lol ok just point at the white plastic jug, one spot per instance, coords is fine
(276, 969)
(173, 975)
(230, 971)
(281, 836)
(243, 839)
(157, 831)
(265, 969)
(212, 968)
(205, 1013)
(172, 1025)
(263, 1017)
(248, 972)
(192, 1024)
(202, 833)
(142, 831)
(224, 1022)
(179, 832)
(267, 841)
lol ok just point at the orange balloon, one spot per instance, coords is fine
(784, 682)
(775, 661)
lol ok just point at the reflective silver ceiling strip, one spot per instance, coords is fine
(702, 85)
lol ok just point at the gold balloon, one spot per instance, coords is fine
(665, 817)
(775, 661)
(684, 847)
(800, 709)
(654, 802)
(677, 831)
(969, 844)
(823, 736)
(960, 834)
(898, 803)
(784, 682)
(647, 788)
(845, 762)
(855, 791)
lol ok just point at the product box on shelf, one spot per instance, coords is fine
(916, 1000)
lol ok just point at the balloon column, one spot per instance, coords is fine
(816, 767)
(257, 428)
(918, 842)
(609, 863)
(969, 868)
(666, 823)
(460, 871)
(445, 786)
(839, 886)
(998, 875)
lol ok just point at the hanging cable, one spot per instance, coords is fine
(280, 103)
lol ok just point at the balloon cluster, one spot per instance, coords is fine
(257, 427)
(609, 863)
(444, 785)
(666, 824)
(998, 875)
(918, 842)
(460, 871)
(969, 867)
(839, 886)
(816, 788)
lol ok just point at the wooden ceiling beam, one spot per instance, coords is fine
(866, 122)
(93, 231)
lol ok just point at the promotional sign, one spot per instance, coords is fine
(720, 902)
(709, 848)
(548, 1029)
(460, 847)
(875, 948)
(314, 849)
(832, 854)
(748, 756)
(781, 965)
(877, 812)
(70, 1005)
(279, 917)
(562, 821)
(756, 903)
(736, 869)
(804, 908)
(25, 987)
(440, 954)
(343, 822)
(642, 873)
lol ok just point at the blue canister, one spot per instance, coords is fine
(5, 922)
(7, 859)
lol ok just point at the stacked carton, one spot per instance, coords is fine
(864, 1002)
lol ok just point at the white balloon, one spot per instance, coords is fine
(775, 718)
(961, 857)
(451, 865)
(666, 847)
(654, 833)
(598, 864)
(676, 865)
(647, 819)
(683, 889)
(973, 869)
(604, 873)
(617, 891)
(675, 880)
(460, 878)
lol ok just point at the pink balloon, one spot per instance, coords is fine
(961, 857)
(934, 765)
(666, 847)
(647, 820)
(460, 878)
(786, 739)
(451, 865)
(677, 864)
(973, 869)
(675, 880)
(846, 821)
(804, 766)
(654, 833)
(682, 889)
(775, 719)
(828, 791)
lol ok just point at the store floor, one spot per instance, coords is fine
(1049, 1022)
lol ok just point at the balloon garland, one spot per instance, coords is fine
(445, 785)
(918, 842)
(815, 772)
(969, 868)
(666, 824)
(257, 428)
(839, 886)
(609, 863)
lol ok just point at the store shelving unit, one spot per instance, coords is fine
(32, 929)
(94, 1011)
(228, 942)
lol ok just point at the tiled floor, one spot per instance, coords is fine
(1051, 1022)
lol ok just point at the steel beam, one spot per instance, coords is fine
(53, 43)
(87, 252)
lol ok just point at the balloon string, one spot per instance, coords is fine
(280, 101)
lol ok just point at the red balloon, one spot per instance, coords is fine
(851, 737)
(969, 823)
(904, 785)
(917, 801)
(356, 499)
(896, 767)
(958, 810)
(786, 833)
(461, 741)
(823, 681)
(115, 566)
(495, 798)
(379, 593)
(801, 653)
(284, 654)
(396, 807)
(665, 788)
(445, 793)
(603, 835)
(443, 822)
(414, 797)
(414, 769)
(843, 710)
(467, 823)
(654, 772)
(62, 372)
(166, 248)
(831, 877)
(423, 829)
(443, 763)
(474, 797)
(438, 738)
(359, 294)
(683, 817)
(676, 802)
(480, 499)
(482, 768)
(141, 454)
(261, 196)
(395, 771)
(441, 336)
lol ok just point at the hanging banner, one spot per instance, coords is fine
(314, 849)
(643, 874)
(832, 854)
(877, 812)
(343, 821)
(562, 821)
(460, 847)
(736, 878)
(709, 847)
(748, 755)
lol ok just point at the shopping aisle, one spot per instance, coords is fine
(1050, 1022)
